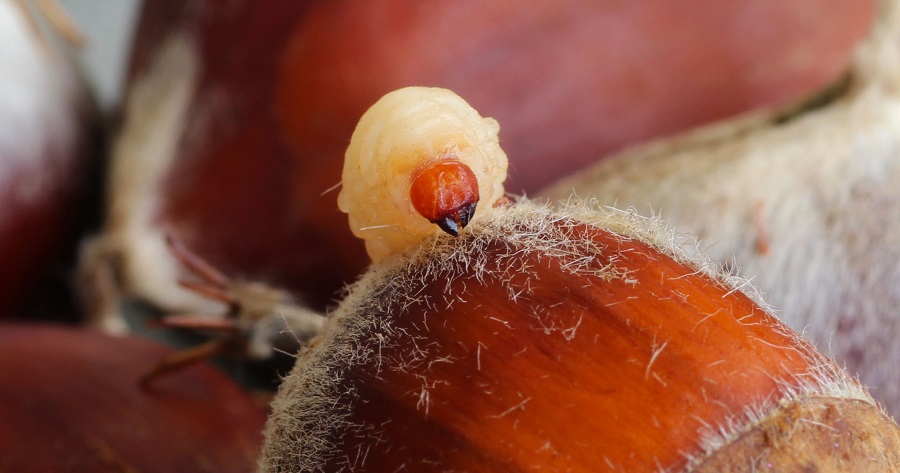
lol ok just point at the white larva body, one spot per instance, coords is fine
(808, 208)
(402, 131)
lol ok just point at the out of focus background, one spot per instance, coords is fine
(201, 141)
(108, 28)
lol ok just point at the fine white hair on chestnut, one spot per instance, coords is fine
(402, 131)
(804, 200)
(313, 402)
(824, 380)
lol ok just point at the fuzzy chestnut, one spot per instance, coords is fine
(575, 340)
(579, 340)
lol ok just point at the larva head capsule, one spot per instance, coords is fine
(419, 161)
(445, 192)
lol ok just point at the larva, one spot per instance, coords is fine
(419, 161)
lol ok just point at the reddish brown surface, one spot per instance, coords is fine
(569, 81)
(234, 199)
(70, 401)
(818, 434)
(441, 189)
(285, 82)
(40, 228)
(579, 375)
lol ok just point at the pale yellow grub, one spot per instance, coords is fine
(402, 131)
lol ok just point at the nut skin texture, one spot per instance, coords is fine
(70, 401)
(446, 193)
(824, 435)
(531, 395)
(509, 361)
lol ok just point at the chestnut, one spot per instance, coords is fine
(49, 137)
(235, 118)
(574, 340)
(802, 199)
(70, 401)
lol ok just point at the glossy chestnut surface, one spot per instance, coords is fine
(70, 401)
(282, 85)
(592, 352)
(49, 163)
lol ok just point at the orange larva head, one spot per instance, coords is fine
(446, 193)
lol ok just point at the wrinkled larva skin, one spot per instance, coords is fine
(403, 131)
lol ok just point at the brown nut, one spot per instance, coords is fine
(803, 200)
(236, 117)
(579, 340)
(70, 401)
(48, 161)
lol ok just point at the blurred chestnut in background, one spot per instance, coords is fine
(805, 200)
(70, 401)
(49, 137)
(568, 81)
(237, 115)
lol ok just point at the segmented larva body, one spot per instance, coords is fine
(419, 161)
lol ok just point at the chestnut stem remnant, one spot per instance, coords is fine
(257, 317)
(180, 360)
